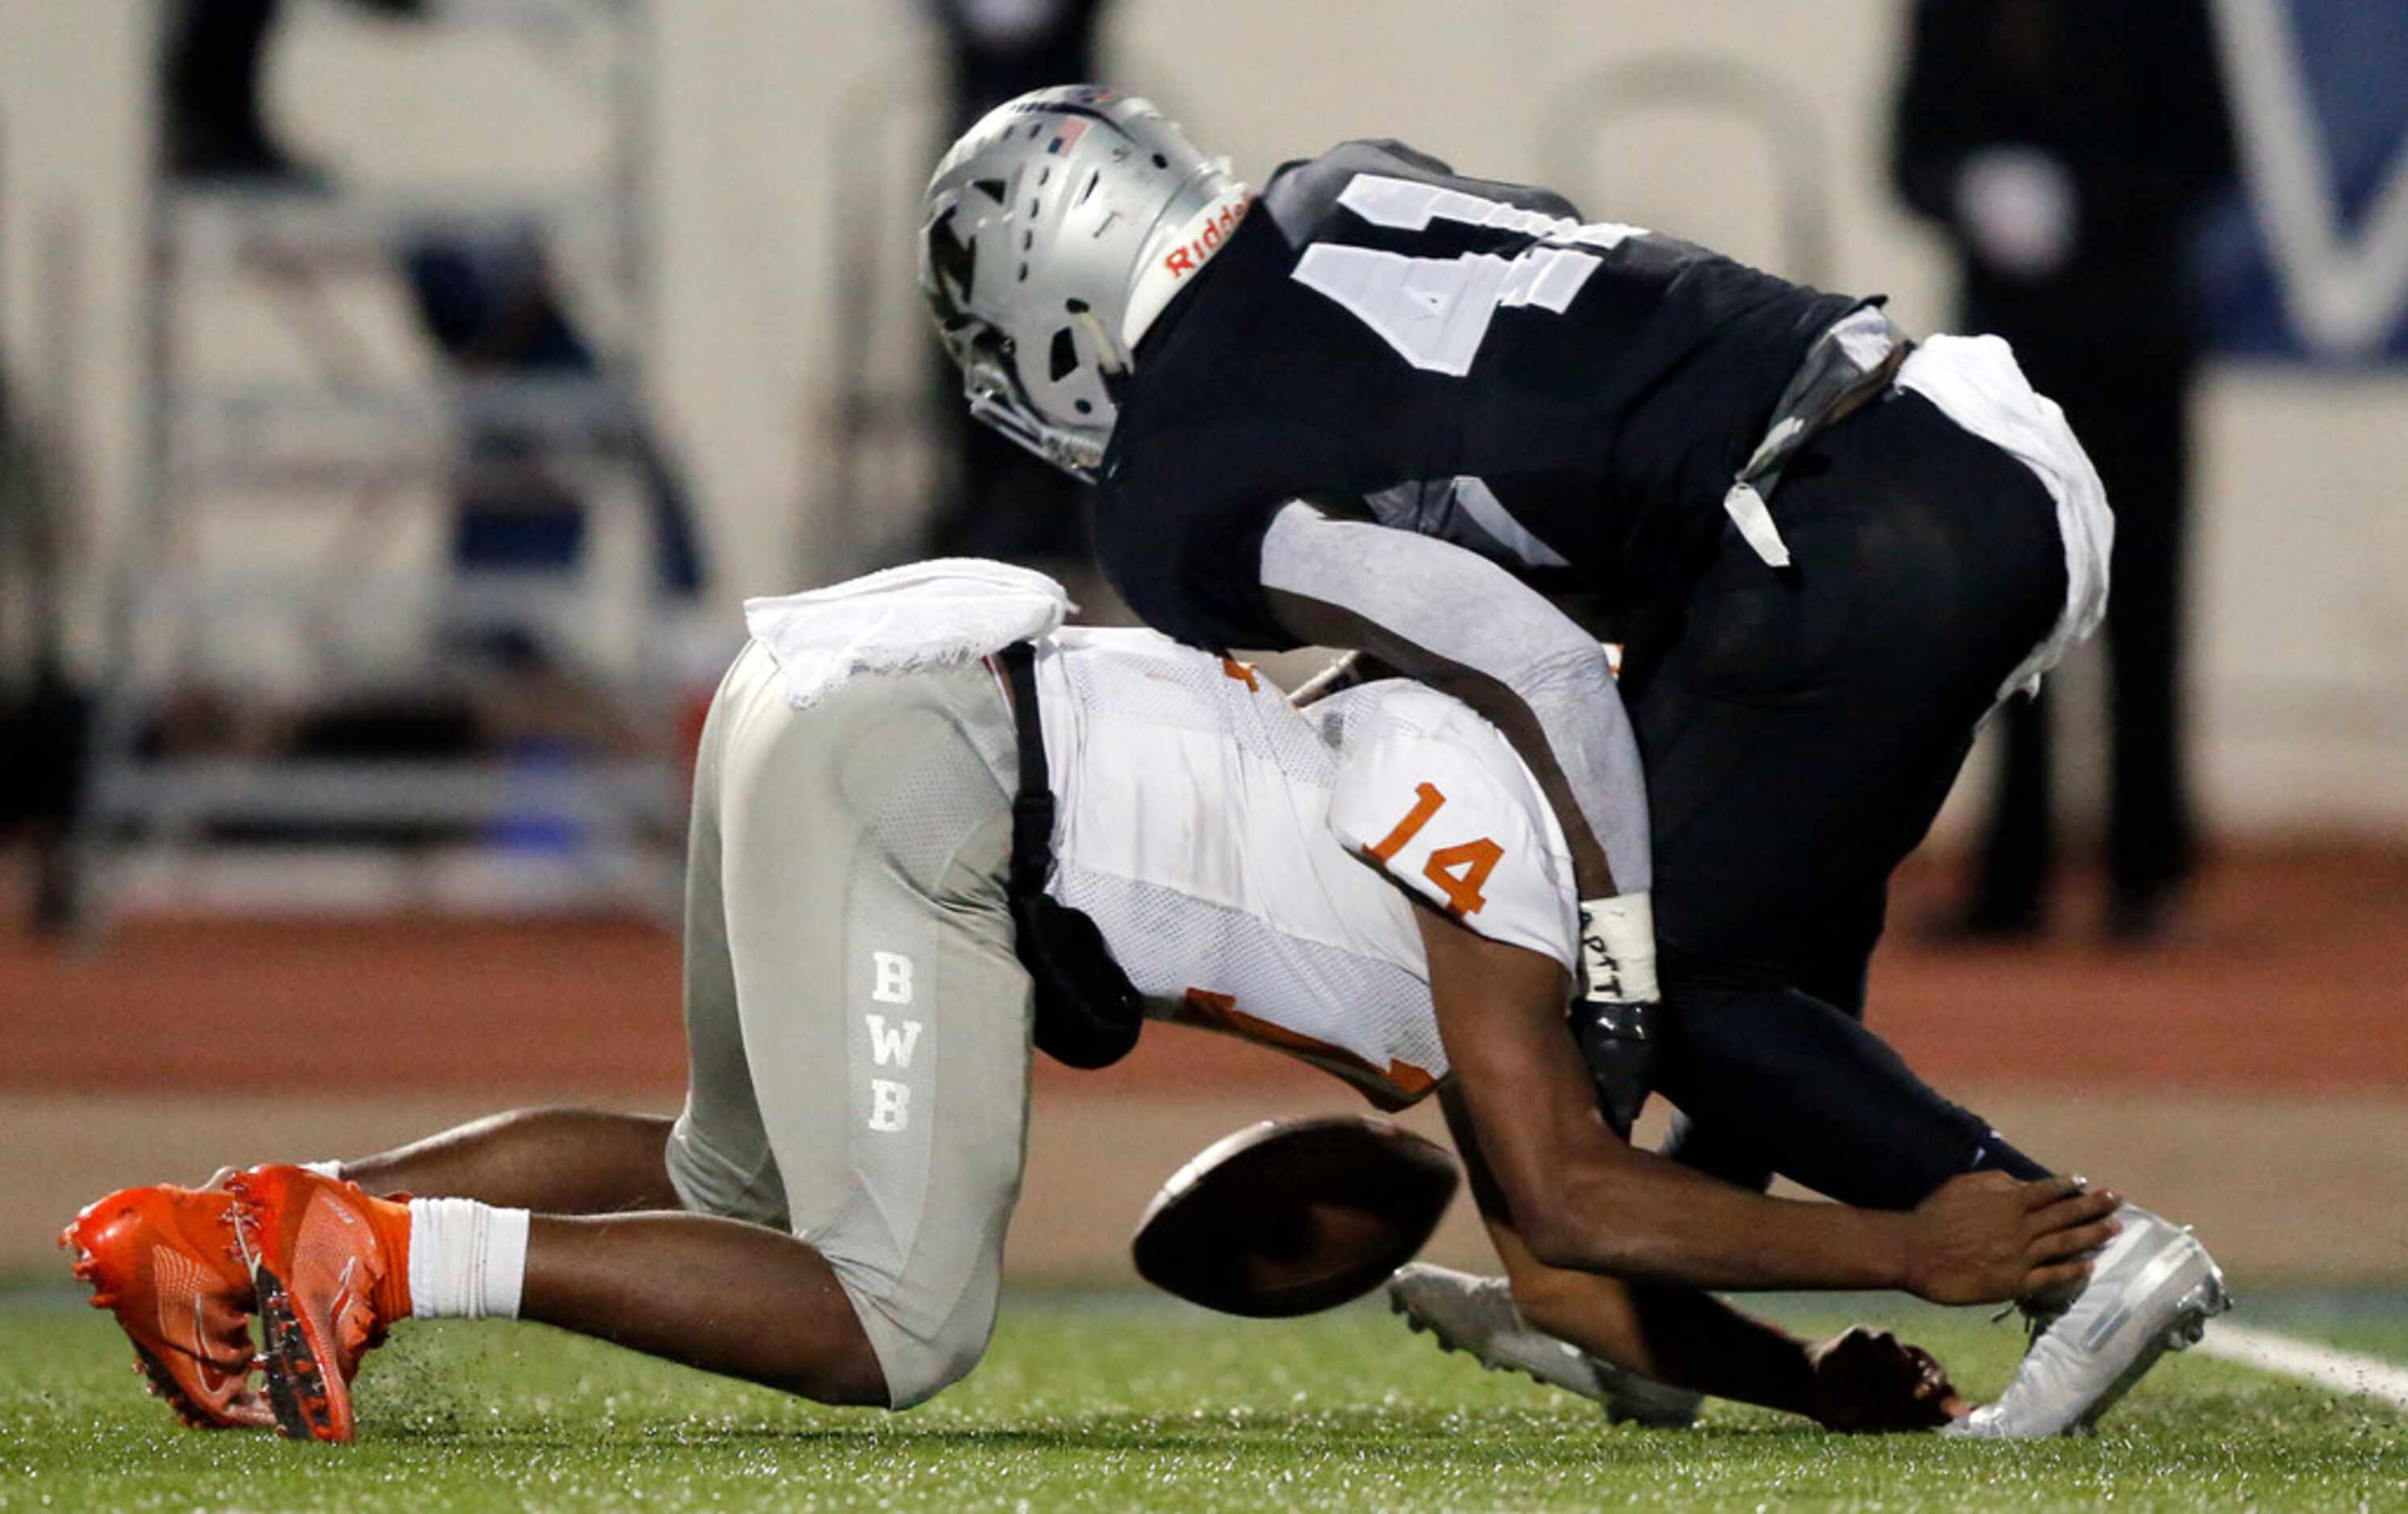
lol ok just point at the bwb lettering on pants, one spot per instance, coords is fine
(890, 977)
(891, 1045)
(890, 1104)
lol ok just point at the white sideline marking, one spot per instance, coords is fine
(2347, 1371)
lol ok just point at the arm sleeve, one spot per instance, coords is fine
(1460, 623)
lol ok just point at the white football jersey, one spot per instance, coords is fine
(1247, 861)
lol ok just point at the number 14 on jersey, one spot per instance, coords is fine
(1459, 871)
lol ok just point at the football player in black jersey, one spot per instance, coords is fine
(1384, 407)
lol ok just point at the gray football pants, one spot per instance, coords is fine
(857, 1024)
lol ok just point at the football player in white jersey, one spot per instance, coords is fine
(1375, 882)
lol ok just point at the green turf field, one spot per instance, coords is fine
(1107, 1403)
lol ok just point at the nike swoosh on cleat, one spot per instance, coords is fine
(212, 1380)
(342, 1294)
(178, 1275)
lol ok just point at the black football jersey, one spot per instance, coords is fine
(1383, 337)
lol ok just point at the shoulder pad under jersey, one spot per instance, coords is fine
(1436, 797)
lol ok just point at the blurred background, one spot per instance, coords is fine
(397, 398)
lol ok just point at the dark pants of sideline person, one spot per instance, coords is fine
(2133, 418)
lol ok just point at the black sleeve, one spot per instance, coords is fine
(1302, 195)
(1184, 546)
(1521, 196)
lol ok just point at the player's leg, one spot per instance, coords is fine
(877, 1077)
(1837, 977)
(720, 1294)
(1834, 1106)
(553, 1161)
(145, 1248)
(573, 1162)
(885, 1016)
(717, 1155)
(566, 1161)
(707, 1287)
(1800, 730)
(1805, 743)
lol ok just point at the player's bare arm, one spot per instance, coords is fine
(1860, 1380)
(1583, 1199)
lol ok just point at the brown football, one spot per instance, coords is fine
(1290, 1217)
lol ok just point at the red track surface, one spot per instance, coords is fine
(2291, 973)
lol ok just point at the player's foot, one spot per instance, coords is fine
(163, 1259)
(331, 1268)
(2152, 1290)
(1477, 1315)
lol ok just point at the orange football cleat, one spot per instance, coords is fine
(330, 1269)
(162, 1258)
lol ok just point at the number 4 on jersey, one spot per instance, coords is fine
(1458, 870)
(1435, 312)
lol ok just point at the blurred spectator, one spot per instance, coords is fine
(214, 128)
(44, 719)
(494, 310)
(1004, 503)
(2065, 146)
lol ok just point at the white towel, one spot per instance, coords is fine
(904, 619)
(1975, 383)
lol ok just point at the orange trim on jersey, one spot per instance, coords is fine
(1398, 1084)
(1242, 672)
(1426, 799)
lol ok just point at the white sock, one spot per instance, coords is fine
(468, 1260)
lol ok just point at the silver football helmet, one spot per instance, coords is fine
(1055, 231)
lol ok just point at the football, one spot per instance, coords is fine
(1292, 1217)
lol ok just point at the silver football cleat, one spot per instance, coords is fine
(2152, 1290)
(1477, 1315)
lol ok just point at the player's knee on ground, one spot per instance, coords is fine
(924, 1341)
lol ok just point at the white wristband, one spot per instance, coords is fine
(1619, 949)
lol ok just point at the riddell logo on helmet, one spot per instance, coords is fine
(1185, 258)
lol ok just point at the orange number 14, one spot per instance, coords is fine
(1459, 870)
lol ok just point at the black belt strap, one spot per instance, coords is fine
(1032, 806)
(1087, 1012)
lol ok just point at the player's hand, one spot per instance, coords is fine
(1870, 1382)
(1617, 1040)
(1986, 1237)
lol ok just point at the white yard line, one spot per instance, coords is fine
(2288, 1356)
